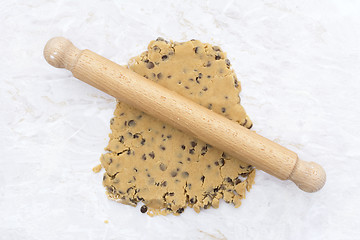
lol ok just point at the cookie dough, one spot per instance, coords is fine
(151, 162)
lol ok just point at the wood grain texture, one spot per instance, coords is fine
(184, 114)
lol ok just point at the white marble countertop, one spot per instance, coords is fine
(299, 65)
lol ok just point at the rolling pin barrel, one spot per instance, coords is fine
(184, 114)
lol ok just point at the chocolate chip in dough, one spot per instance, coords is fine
(143, 209)
(162, 166)
(150, 65)
(152, 155)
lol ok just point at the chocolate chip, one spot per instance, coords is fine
(152, 155)
(217, 57)
(179, 82)
(193, 143)
(162, 147)
(202, 178)
(208, 64)
(216, 163)
(163, 167)
(207, 206)
(169, 76)
(208, 166)
(222, 162)
(121, 139)
(131, 123)
(191, 79)
(223, 110)
(193, 200)
(191, 151)
(169, 136)
(104, 177)
(112, 121)
(200, 75)
(208, 76)
(159, 75)
(186, 87)
(227, 61)
(150, 65)
(244, 174)
(143, 157)
(210, 106)
(135, 170)
(136, 135)
(180, 210)
(183, 147)
(128, 152)
(173, 173)
(204, 150)
(111, 189)
(160, 39)
(205, 89)
(143, 141)
(143, 209)
(236, 82)
(164, 57)
(171, 194)
(216, 48)
(196, 49)
(128, 190)
(184, 174)
(237, 181)
(163, 184)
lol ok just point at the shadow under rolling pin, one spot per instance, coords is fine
(182, 113)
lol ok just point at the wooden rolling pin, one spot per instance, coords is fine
(182, 113)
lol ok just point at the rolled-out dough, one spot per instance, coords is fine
(151, 162)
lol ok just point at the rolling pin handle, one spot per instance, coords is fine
(59, 52)
(308, 176)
